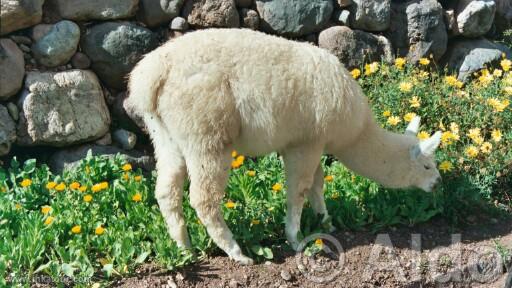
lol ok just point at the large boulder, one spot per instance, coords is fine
(81, 10)
(114, 48)
(211, 13)
(418, 30)
(62, 108)
(7, 131)
(157, 12)
(370, 15)
(475, 17)
(68, 159)
(12, 68)
(465, 56)
(294, 18)
(15, 15)
(58, 45)
(354, 47)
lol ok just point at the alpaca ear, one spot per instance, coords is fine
(429, 146)
(413, 127)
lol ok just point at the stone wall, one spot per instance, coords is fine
(63, 63)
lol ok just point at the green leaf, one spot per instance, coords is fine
(142, 257)
(67, 269)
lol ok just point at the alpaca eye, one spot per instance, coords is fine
(426, 167)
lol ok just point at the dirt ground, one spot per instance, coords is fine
(427, 255)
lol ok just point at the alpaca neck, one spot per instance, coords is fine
(376, 153)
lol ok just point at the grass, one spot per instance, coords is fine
(101, 220)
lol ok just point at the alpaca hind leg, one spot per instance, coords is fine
(209, 174)
(316, 197)
(172, 172)
(300, 165)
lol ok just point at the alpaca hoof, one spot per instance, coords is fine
(243, 260)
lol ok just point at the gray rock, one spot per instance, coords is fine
(80, 10)
(68, 159)
(126, 115)
(15, 15)
(250, 19)
(114, 48)
(211, 13)
(39, 31)
(13, 111)
(105, 140)
(125, 138)
(12, 68)
(294, 18)
(354, 47)
(21, 39)
(179, 24)
(285, 274)
(62, 108)
(58, 45)
(449, 19)
(344, 3)
(25, 48)
(475, 17)
(418, 30)
(370, 15)
(466, 56)
(342, 17)
(157, 12)
(7, 131)
(503, 16)
(80, 61)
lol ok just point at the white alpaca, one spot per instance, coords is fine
(213, 91)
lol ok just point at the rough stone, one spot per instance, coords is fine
(354, 47)
(13, 111)
(475, 17)
(7, 131)
(294, 18)
(39, 31)
(62, 108)
(19, 39)
(58, 45)
(250, 19)
(80, 61)
(466, 56)
(12, 68)
(211, 13)
(343, 17)
(15, 15)
(344, 3)
(65, 160)
(125, 139)
(179, 24)
(370, 15)
(157, 12)
(105, 140)
(114, 48)
(81, 10)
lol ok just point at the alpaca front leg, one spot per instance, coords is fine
(316, 197)
(300, 164)
(209, 175)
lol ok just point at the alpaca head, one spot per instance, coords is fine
(420, 171)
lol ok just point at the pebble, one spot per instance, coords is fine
(24, 48)
(286, 275)
(125, 139)
(179, 24)
(13, 111)
(233, 283)
(21, 39)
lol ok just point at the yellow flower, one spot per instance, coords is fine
(137, 197)
(452, 81)
(496, 135)
(127, 167)
(498, 105)
(415, 102)
(405, 86)
(369, 69)
(277, 187)
(100, 186)
(82, 188)
(471, 151)
(74, 185)
(234, 153)
(319, 242)
(507, 90)
(126, 176)
(386, 113)
(454, 128)
(445, 166)
(423, 135)
(355, 73)
(99, 230)
(329, 178)
(497, 73)
(335, 195)
(88, 198)
(230, 204)
(26, 183)
(400, 63)
(51, 185)
(424, 61)
(486, 147)
(255, 222)
(485, 77)
(409, 116)
(76, 229)
(448, 137)
(251, 173)
(46, 209)
(60, 187)
(49, 220)
(474, 133)
(239, 161)
(506, 64)
(17, 206)
(393, 120)
(137, 178)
